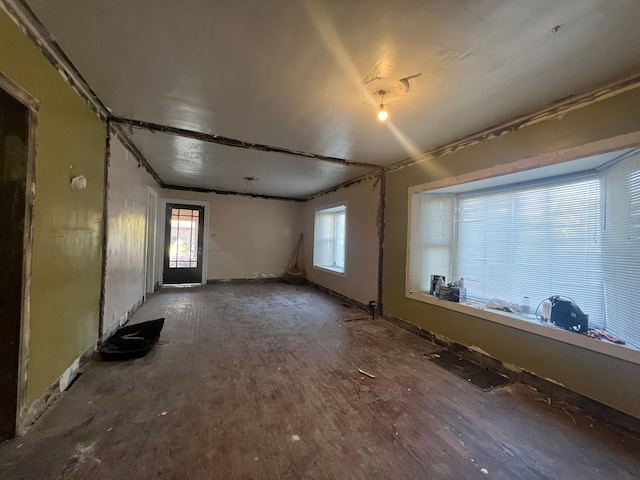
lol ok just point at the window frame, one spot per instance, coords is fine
(464, 183)
(335, 208)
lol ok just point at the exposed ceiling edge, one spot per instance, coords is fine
(129, 145)
(24, 17)
(557, 109)
(348, 183)
(228, 192)
(31, 26)
(232, 142)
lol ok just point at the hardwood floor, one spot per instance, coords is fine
(262, 381)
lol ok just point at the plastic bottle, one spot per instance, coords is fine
(546, 310)
(526, 306)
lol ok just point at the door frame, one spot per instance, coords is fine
(205, 233)
(151, 240)
(33, 107)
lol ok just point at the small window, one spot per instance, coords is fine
(329, 238)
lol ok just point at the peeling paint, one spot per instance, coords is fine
(477, 349)
(264, 275)
(511, 367)
(355, 181)
(551, 380)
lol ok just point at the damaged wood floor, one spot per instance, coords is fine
(262, 381)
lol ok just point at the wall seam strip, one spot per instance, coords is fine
(555, 110)
(105, 228)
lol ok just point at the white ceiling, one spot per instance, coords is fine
(209, 166)
(303, 76)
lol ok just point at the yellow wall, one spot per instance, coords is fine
(66, 270)
(609, 380)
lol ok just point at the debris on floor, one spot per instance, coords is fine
(365, 373)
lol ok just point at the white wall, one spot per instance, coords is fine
(126, 234)
(361, 280)
(247, 237)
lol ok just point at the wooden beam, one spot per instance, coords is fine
(232, 142)
(229, 192)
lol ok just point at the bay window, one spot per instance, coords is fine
(575, 235)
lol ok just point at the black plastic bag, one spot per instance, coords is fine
(132, 341)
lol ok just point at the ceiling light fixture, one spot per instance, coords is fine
(382, 114)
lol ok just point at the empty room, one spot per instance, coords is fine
(320, 239)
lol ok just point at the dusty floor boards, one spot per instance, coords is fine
(261, 381)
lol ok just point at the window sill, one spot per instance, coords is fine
(622, 352)
(333, 270)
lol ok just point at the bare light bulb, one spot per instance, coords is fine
(382, 114)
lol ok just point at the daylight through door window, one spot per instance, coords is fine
(183, 249)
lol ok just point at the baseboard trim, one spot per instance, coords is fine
(30, 415)
(557, 392)
(254, 280)
(343, 298)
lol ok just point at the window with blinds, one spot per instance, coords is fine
(576, 236)
(330, 238)
(431, 239)
(621, 249)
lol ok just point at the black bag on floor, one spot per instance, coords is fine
(132, 341)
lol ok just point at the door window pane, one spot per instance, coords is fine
(183, 250)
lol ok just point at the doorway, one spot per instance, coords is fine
(17, 113)
(184, 237)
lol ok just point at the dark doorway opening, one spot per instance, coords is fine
(183, 244)
(14, 142)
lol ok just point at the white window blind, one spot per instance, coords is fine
(621, 246)
(537, 241)
(430, 239)
(329, 238)
(576, 236)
